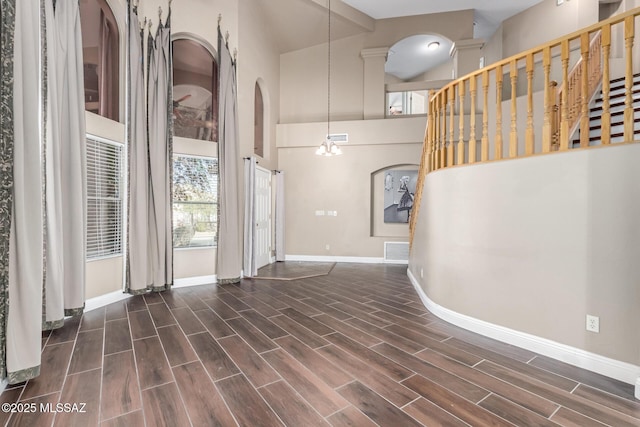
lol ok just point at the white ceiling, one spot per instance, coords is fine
(489, 13)
(309, 27)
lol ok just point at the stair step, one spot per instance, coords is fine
(614, 136)
(614, 126)
(614, 106)
(636, 78)
(619, 94)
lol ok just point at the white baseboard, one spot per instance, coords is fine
(110, 298)
(106, 299)
(616, 369)
(195, 281)
(319, 258)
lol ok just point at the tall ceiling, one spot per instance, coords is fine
(351, 17)
(489, 13)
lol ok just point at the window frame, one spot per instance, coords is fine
(122, 199)
(215, 203)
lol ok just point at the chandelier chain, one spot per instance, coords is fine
(329, 73)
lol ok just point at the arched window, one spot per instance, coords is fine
(258, 123)
(195, 91)
(195, 170)
(101, 53)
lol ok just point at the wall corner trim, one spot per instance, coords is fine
(106, 299)
(612, 368)
(195, 281)
(111, 297)
(323, 258)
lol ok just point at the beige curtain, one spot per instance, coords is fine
(65, 171)
(229, 255)
(7, 142)
(159, 89)
(47, 244)
(24, 319)
(138, 263)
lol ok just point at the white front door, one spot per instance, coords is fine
(263, 217)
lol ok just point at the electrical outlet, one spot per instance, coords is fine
(327, 247)
(593, 323)
(422, 273)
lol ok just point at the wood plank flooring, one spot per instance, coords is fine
(351, 348)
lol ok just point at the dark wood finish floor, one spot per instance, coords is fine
(353, 348)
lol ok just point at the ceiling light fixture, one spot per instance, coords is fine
(433, 45)
(328, 147)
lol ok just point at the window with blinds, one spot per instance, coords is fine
(195, 201)
(104, 197)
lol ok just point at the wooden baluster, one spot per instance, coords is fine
(436, 132)
(595, 62)
(433, 105)
(484, 145)
(576, 102)
(452, 112)
(555, 95)
(472, 120)
(629, 30)
(513, 134)
(499, 79)
(529, 135)
(461, 89)
(606, 85)
(547, 128)
(428, 141)
(564, 113)
(443, 130)
(584, 92)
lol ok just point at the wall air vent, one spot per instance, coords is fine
(396, 252)
(339, 138)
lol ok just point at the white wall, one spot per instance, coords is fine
(536, 244)
(343, 184)
(303, 73)
(544, 22)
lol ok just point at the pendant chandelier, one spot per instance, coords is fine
(328, 147)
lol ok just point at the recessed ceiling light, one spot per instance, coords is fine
(433, 45)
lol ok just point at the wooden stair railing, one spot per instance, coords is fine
(581, 84)
(466, 122)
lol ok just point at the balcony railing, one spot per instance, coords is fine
(535, 102)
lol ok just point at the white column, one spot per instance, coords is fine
(373, 91)
(466, 56)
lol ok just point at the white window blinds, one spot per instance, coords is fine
(104, 197)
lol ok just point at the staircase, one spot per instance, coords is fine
(616, 108)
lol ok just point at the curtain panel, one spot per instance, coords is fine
(46, 213)
(65, 165)
(138, 265)
(7, 27)
(159, 95)
(149, 228)
(26, 256)
(229, 254)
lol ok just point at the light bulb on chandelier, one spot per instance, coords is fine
(328, 148)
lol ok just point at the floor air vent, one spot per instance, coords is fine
(396, 252)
